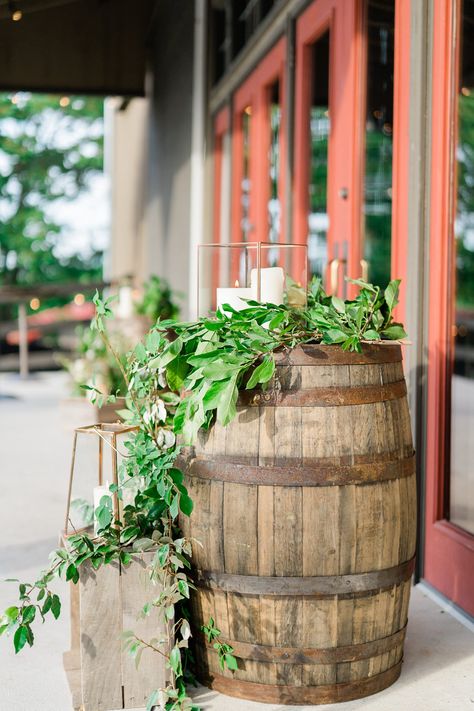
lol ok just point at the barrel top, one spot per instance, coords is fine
(320, 354)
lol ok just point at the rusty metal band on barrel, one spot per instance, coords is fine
(309, 655)
(320, 354)
(292, 474)
(324, 397)
(327, 693)
(317, 585)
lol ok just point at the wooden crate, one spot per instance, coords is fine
(104, 603)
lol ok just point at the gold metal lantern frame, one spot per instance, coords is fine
(109, 438)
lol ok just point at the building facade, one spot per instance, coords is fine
(347, 125)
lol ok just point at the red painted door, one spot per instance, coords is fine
(327, 127)
(351, 138)
(449, 515)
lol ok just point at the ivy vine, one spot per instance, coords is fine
(182, 378)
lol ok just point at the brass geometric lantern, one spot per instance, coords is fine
(97, 455)
(230, 273)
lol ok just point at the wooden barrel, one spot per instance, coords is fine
(305, 506)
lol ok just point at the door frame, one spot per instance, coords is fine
(449, 550)
(254, 92)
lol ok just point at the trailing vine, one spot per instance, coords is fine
(182, 378)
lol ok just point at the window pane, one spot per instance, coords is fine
(245, 187)
(318, 219)
(377, 219)
(274, 204)
(462, 413)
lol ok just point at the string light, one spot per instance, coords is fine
(79, 299)
(64, 101)
(15, 13)
(35, 304)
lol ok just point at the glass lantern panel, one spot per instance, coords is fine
(318, 218)
(274, 202)
(245, 187)
(266, 272)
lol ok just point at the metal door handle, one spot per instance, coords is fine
(334, 265)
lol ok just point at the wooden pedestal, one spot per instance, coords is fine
(105, 603)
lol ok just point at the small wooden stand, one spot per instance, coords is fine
(105, 603)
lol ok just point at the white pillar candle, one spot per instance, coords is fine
(125, 302)
(234, 296)
(272, 284)
(99, 492)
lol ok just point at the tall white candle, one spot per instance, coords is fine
(234, 296)
(272, 284)
(99, 492)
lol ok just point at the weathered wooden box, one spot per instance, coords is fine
(105, 603)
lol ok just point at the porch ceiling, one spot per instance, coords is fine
(75, 46)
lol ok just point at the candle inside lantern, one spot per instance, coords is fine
(234, 296)
(99, 492)
(272, 284)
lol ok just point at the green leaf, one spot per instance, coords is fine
(186, 504)
(175, 661)
(262, 373)
(338, 304)
(183, 588)
(153, 340)
(152, 700)
(56, 606)
(394, 333)
(47, 604)
(11, 613)
(391, 294)
(170, 353)
(226, 409)
(72, 573)
(174, 508)
(29, 613)
(334, 335)
(231, 662)
(371, 335)
(20, 638)
(213, 395)
(176, 372)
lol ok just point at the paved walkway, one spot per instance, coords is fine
(438, 673)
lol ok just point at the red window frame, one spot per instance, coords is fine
(449, 550)
(221, 128)
(254, 92)
(347, 99)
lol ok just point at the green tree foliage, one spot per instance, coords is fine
(48, 152)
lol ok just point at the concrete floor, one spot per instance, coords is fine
(438, 673)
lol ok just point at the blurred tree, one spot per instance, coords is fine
(50, 146)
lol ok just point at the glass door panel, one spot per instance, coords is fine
(377, 187)
(274, 164)
(246, 182)
(328, 129)
(319, 130)
(462, 381)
